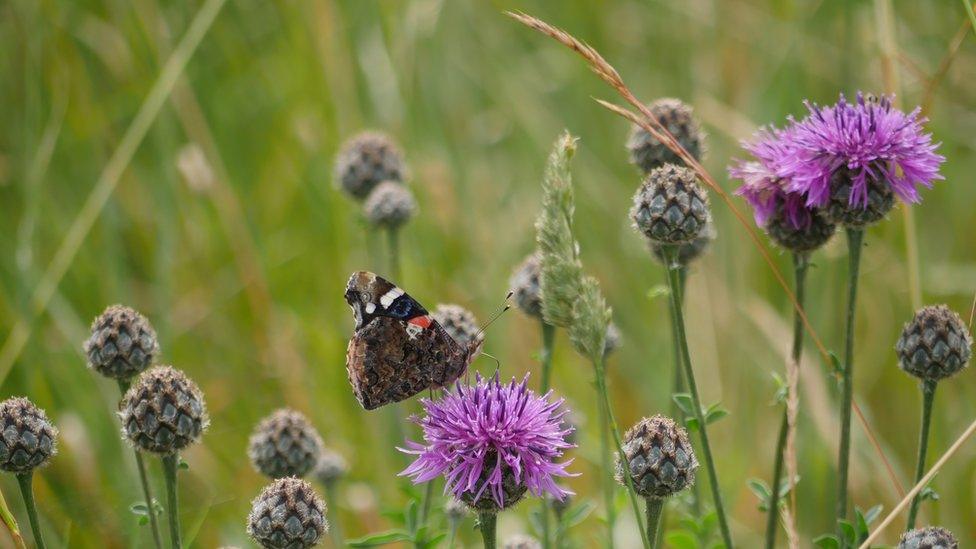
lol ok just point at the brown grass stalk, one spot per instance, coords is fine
(649, 123)
(920, 485)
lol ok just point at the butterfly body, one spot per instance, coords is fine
(398, 349)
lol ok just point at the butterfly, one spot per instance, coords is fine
(398, 349)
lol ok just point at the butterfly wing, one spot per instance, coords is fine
(398, 350)
(372, 296)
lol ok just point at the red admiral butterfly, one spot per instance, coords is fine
(398, 349)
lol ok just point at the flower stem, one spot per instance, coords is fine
(425, 506)
(674, 281)
(393, 240)
(486, 523)
(601, 382)
(548, 339)
(801, 261)
(144, 480)
(25, 480)
(330, 500)
(678, 383)
(605, 468)
(928, 396)
(170, 466)
(545, 356)
(452, 529)
(855, 240)
(654, 508)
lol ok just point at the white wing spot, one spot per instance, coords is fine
(389, 297)
(370, 307)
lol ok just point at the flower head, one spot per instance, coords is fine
(765, 178)
(493, 440)
(872, 140)
(29, 438)
(784, 214)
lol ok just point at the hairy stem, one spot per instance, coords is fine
(654, 508)
(611, 423)
(25, 480)
(170, 466)
(674, 281)
(144, 481)
(855, 240)
(486, 523)
(928, 397)
(800, 264)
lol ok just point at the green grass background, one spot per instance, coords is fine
(243, 279)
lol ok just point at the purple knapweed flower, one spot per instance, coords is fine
(492, 439)
(765, 179)
(871, 139)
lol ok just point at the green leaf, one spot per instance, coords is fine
(692, 424)
(684, 401)
(143, 521)
(761, 490)
(184, 465)
(835, 364)
(873, 513)
(139, 509)
(928, 493)
(577, 514)
(681, 539)
(827, 541)
(714, 414)
(661, 290)
(850, 534)
(380, 538)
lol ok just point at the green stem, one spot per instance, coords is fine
(452, 529)
(27, 490)
(654, 508)
(393, 240)
(801, 261)
(486, 523)
(928, 397)
(548, 339)
(144, 481)
(855, 240)
(674, 281)
(605, 468)
(678, 384)
(772, 514)
(330, 500)
(601, 382)
(425, 507)
(560, 527)
(170, 466)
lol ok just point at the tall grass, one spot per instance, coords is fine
(476, 102)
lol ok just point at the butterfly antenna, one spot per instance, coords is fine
(497, 314)
(498, 363)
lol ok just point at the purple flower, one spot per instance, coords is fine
(870, 138)
(476, 435)
(764, 180)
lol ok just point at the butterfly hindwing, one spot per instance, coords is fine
(398, 349)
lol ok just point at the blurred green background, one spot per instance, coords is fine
(225, 229)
